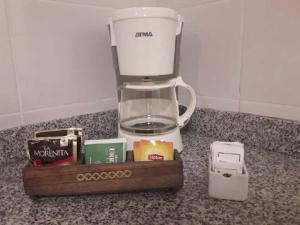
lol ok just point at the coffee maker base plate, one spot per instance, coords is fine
(172, 136)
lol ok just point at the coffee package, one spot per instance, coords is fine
(52, 151)
(64, 132)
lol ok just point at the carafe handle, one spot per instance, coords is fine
(183, 119)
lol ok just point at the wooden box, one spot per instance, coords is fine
(103, 178)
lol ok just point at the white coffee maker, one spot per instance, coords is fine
(144, 50)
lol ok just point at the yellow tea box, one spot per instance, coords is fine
(145, 150)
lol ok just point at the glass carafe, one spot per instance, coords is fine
(152, 108)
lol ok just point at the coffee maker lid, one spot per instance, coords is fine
(142, 12)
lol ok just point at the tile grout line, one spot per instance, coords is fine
(94, 107)
(242, 42)
(230, 104)
(214, 97)
(70, 104)
(9, 114)
(12, 50)
(250, 101)
(206, 2)
(273, 104)
(76, 4)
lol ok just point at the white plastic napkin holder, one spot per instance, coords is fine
(224, 185)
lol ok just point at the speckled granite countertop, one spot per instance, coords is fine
(274, 195)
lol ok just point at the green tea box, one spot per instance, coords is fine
(105, 151)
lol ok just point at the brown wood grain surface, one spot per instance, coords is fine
(62, 180)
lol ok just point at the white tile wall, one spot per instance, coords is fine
(182, 4)
(63, 58)
(8, 88)
(146, 3)
(115, 4)
(65, 50)
(45, 114)
(10, 120)
(211, 52)
(271, 65)
(269, 109)
(239, 55)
